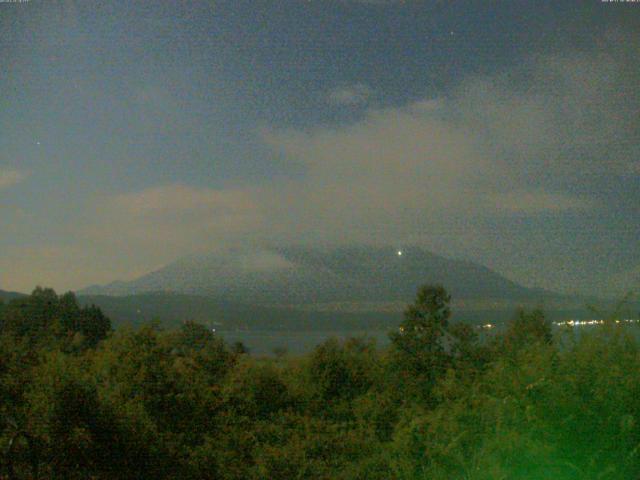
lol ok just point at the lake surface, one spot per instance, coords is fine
(264, 342)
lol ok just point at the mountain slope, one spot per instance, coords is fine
(302, 275)
(7, 296)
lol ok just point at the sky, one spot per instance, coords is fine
(134, 133)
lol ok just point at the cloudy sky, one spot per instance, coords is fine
(132, 133)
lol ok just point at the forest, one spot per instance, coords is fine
(80, 400)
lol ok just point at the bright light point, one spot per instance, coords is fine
(399, 253)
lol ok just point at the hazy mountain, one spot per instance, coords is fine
(626, 282)
(7, 296)
(302, 275)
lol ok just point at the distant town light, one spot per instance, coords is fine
(399, 253)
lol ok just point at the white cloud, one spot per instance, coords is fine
(394, 161)
(11, 177)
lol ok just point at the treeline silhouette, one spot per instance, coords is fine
(81, 401)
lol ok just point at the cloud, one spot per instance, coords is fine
(10, 177)
(179, 199)
(400, 173)
(532, 202)
(353, 95)
(622, 284)
(563, 115)
(540, 138)
(69, 265)
(168, 221)
(378, 174)
(460, 174)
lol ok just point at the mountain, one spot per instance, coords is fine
(355, 275)
(7, 296)
(301, 288)
(624, 283)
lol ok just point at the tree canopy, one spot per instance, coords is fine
(78, 401)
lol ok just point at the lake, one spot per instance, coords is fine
(263, 342)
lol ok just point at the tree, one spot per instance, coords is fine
(526, 328)
(341, 371)
(203, 348)
(421, 343)
(46, 318)
(93, 324)
(239, 348)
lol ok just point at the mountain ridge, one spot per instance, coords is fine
(6, 296)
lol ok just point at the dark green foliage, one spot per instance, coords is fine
(421, 336)
(438, 404)
(341, 371)
(203, 349)
(422, 346)
(239, 348)
(44, 317)
(92, 324)
(526, 328)
(256, 391)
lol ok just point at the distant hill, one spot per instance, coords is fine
(303, 276)
(7, 296)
